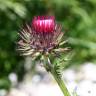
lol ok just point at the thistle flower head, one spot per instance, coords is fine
(42, 36)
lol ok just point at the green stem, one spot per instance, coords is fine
(60, 83)
(58, 79)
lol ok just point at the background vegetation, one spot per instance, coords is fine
(78, 18)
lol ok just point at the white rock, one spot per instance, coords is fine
(15, 92)
(86, 88)
(13, 78)
(3, 92)
(89, 71)
(69, 75)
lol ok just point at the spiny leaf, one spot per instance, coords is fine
(57, 69)
(28, 52)
(60, 37)
(23, 48)
(61, 49)
(63, 42)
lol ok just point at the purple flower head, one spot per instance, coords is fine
(43, 24)
(42, 36)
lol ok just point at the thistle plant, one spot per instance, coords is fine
(43, 40)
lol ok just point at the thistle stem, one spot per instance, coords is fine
(60, 83)
(49, 68)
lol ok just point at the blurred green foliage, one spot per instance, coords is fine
(78, 18)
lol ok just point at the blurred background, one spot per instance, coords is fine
(78, 19)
